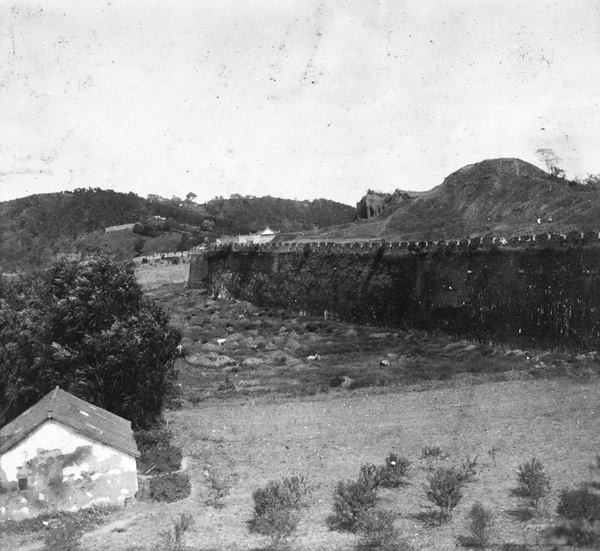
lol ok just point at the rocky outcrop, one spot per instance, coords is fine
(375, 203)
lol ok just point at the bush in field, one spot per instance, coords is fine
(157, 453)
(595, 467)
(369, 476)
(66, 537)
(287, 493)
(595, 470)
(532, 483)
(580, 504)
(480, 526)
(351, 500)
(276, 524)
(170, 487)
(219, 486)
(173, 538)
(468, 469)
(394, 472)
(444, 489)
(431, 454)
(377, 533)
(276, 508)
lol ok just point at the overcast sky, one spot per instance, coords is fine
(290, 98)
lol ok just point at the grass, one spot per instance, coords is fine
(271, 348)
(329, 437)
(286, 418)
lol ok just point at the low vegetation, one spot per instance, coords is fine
(393, 474)
(277, 508)
(444, 488)
(533, 484)
(480, 527)
(88, 328)
(434, 471)
(173, 538)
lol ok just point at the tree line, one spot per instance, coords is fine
(87, 328)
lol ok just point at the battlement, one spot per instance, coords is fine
(575, 238)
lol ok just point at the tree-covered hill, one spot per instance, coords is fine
(34, 229)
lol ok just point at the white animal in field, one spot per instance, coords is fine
(314, 358)
(384, 363)
(221, 342)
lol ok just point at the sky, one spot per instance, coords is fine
(290, 98)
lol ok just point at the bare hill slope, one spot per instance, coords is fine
(501, 197)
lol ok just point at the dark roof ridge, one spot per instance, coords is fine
(88, 420)
(53, 401)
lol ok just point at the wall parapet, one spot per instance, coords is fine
(574, 238)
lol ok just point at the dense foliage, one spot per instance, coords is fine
(87, 328)
(35, 228)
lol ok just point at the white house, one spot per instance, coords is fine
(65, 454)
(263, 236)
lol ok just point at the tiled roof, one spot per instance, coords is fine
(91, 421)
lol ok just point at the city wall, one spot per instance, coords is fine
(530, 291)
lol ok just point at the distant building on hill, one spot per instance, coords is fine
(263, 236)
(65, 454)
(119, 228)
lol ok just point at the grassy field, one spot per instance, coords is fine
(256, 408)
(161, 271)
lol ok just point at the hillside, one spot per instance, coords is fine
(500, 197)
(34, 229)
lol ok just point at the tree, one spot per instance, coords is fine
(533, 484)
(549, 158)
(444, 488)
(138, 245)
(87, 328)
(190, 197)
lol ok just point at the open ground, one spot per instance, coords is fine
(255, 408)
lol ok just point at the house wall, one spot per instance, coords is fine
(64, 471)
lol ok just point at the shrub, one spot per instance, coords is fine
(492, 452)
(575, 533)
(218, 487)
(394, 472)
(468, 469)
(369, 476)
(174, 539)
(275, 524)
(351, 500)
(430, 454)
(298, 488)
(138, 245)
(579, 504)
(276, 508)
(170, 487)
(377, 533)
(444, 489)
(532, 483)
(66, 537)
(376, 530)
(480, 526)
(156, 451)
(288, 493)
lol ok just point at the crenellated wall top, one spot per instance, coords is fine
(571, 238)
